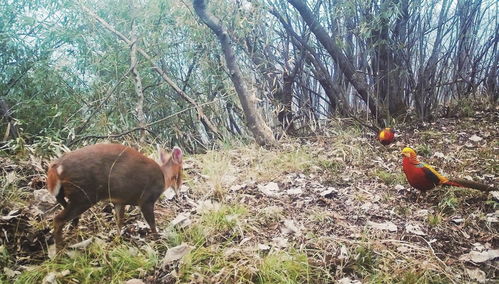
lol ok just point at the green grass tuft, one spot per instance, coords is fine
(284, 267)
(389, 178)
(434, 219)
(449, 202)
(96, 264)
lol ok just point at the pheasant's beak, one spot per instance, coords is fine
(405, 154)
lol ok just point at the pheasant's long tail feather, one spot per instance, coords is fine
(470, 184)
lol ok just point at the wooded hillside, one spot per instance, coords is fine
(270, 111)
(168, 71)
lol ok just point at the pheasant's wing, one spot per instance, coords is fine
(431, 173)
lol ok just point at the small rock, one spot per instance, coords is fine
(366, 206)
(422, 213)
(469, 145)
(184, 188)
(49, 278)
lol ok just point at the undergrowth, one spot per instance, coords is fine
(98, 263)
(232, 236)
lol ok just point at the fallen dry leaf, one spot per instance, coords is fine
(347, 280)
(176, 253)
(10, 273)
(290, 228)
(134, 281)
(271, 189)
(479, 257)
(414, 229)
(205, 206)
(495, 195)
(343, 252)
(51, 277)
(82, 244)
(476, 138)
(169, 193)
(329, 193)
(263, 247)
(387, 226)
(439, 155)
(295, 191)
(182, 220)
(477, 274)
(280, 242)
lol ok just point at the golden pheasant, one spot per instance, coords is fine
(423, 177)
(386, 136)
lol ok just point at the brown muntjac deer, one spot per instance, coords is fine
(112, 172)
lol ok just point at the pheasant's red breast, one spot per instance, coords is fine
(419, 176)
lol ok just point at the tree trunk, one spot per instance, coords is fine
(347, 67)
(261, 132)
(281, 90)
(425, 93)
(11, 129)
(385, 68)
(135, 74)
(492, 78)
(331, 89)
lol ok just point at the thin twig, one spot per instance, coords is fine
(145, 128)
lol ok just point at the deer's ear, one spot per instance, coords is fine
(177, 155)
(163, 156)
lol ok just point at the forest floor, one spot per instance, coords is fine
(320, 209)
